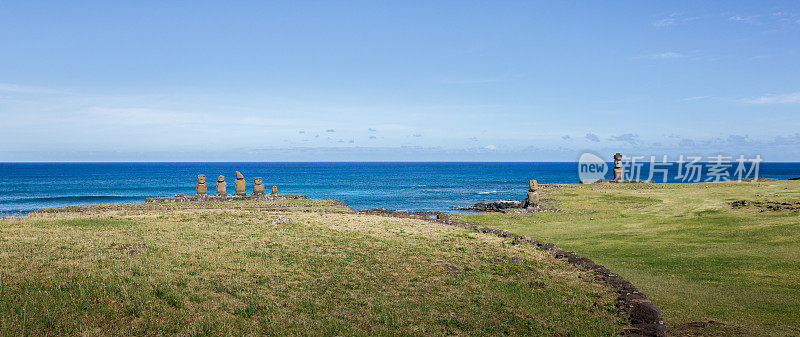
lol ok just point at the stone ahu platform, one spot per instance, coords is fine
(184, 197)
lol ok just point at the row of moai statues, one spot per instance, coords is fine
(533, 194)
(239, 186)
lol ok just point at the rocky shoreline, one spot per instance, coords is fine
(490, 206)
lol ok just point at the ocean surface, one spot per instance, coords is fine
(409, 186)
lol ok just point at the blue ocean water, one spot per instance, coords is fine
(409, 186)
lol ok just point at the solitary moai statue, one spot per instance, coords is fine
(533, 194)
(222, 186)
(239, 184)
(201, 186)
(274, 189)
(617, 167)
(258, 186)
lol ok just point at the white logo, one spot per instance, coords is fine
(591, 168)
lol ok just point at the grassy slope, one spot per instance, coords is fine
(108, 269)
(694, 255)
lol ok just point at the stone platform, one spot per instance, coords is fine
(184, 197)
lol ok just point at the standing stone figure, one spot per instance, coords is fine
(258, 186)
(533, 194)
(201, 186)
(239, 184)
(274, 189)
(222, 186)
(617, 167)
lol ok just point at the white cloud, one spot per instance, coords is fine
(24, 89)
(673, 19)
(743, 19)
(695, 98)
(629, 138)
(140, 116)
(666, 22)
(666, 55)
(737, 139)
(471, 81)
(490, 147)
(392, 127)
(774, 99)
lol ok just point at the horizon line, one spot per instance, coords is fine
(289, 162)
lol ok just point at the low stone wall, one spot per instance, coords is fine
(184, 198)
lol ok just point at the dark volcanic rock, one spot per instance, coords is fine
(768, 205)
(795, 178)
(646, 318)
(494, 206)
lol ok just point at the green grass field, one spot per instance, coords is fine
(226, 269)
(684, 245)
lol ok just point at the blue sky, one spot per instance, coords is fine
(428, 81)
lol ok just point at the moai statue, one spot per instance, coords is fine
(258, 186)
(239, 184)
(533, 194)
(222, 186)
(617, 167)
(274, 189)
(201, 186)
